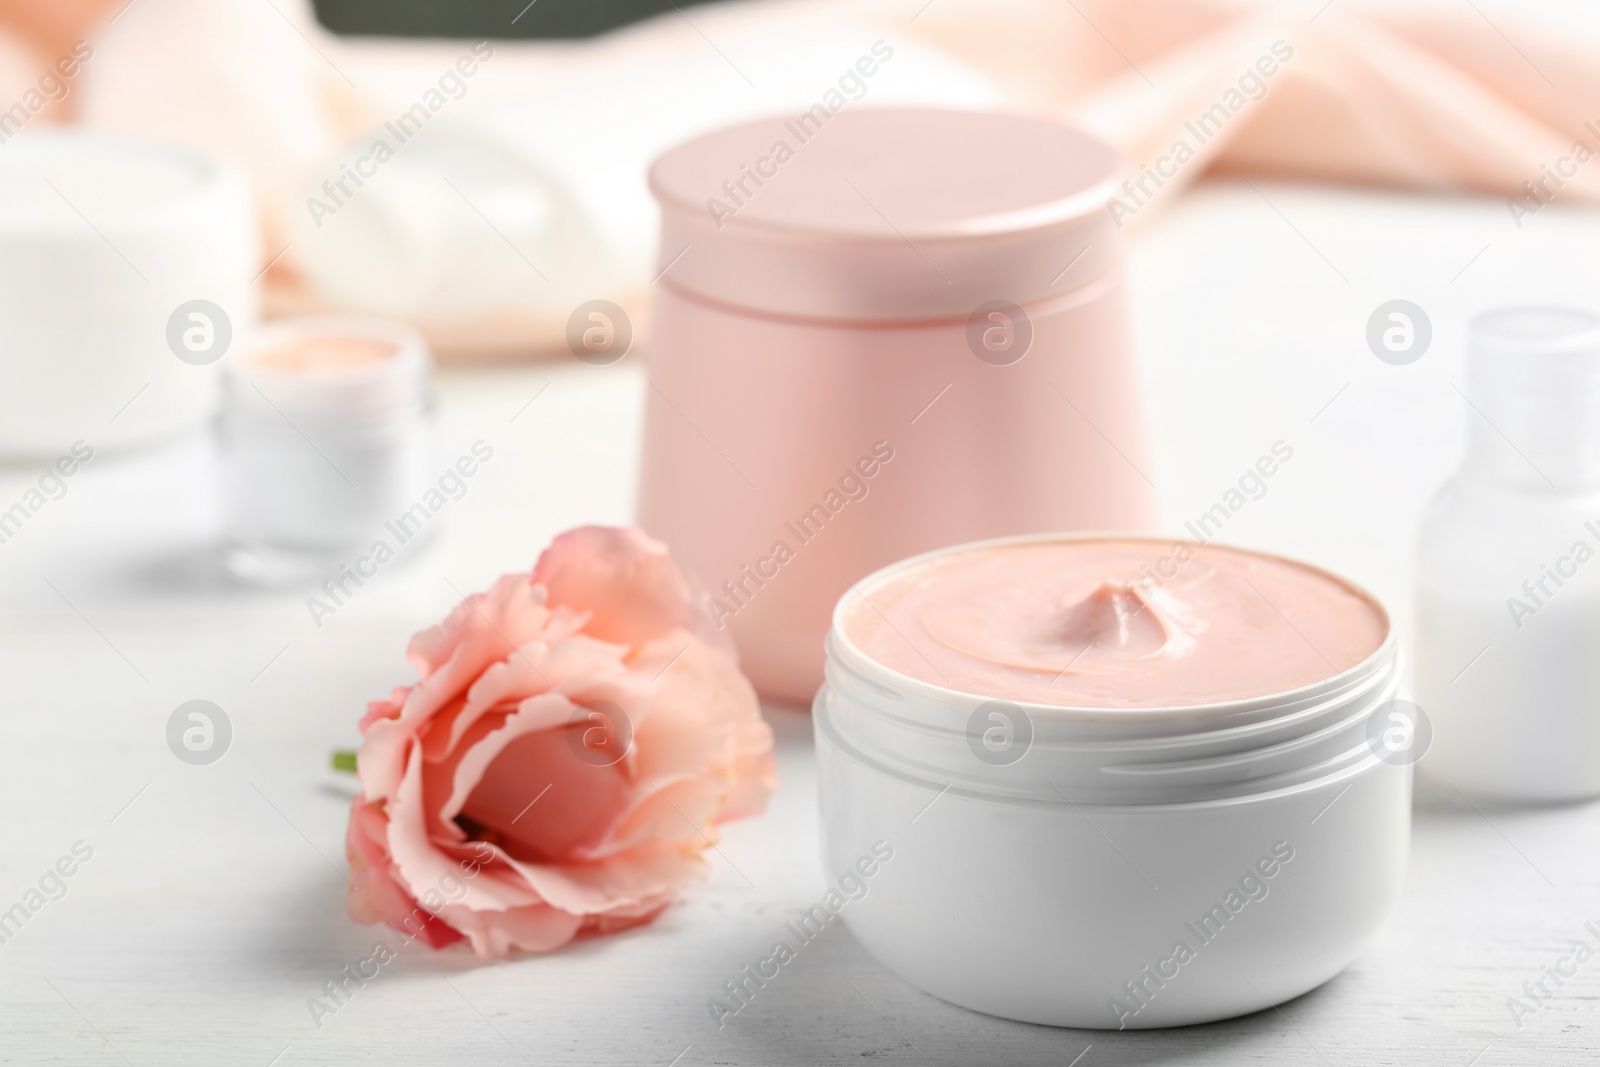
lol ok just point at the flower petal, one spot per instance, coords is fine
(573, 665)
(536, 928)
(374, 894)
(421, 865)
(526, 785)
(622, 577)
(654, 870)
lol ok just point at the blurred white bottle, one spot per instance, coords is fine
(1508, 613)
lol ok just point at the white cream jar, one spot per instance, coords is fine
(1117, 857)
(328, 449)
(112, 253)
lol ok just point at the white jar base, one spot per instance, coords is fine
(1056, 913)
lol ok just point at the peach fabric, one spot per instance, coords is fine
(1422, 96)
(35, 33)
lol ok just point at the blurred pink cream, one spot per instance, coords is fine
(329, 356)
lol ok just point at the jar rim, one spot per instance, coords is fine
(985, 793)
(205, 185)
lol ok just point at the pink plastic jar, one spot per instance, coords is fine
(875, 333)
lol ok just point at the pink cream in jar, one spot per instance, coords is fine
(876, 332)
(1093, 624)
(1124, 783)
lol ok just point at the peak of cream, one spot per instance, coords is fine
(1113, 623)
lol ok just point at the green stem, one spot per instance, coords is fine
(344, 760)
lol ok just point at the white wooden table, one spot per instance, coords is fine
(211, 908)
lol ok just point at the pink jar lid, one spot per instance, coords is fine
(886, 214)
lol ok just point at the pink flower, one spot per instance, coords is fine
(575, 737)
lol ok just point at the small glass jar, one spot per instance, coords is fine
(1111, 867)
(325, 444)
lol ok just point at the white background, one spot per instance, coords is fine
(213, 906)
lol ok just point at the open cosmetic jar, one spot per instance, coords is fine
(1126, 782)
